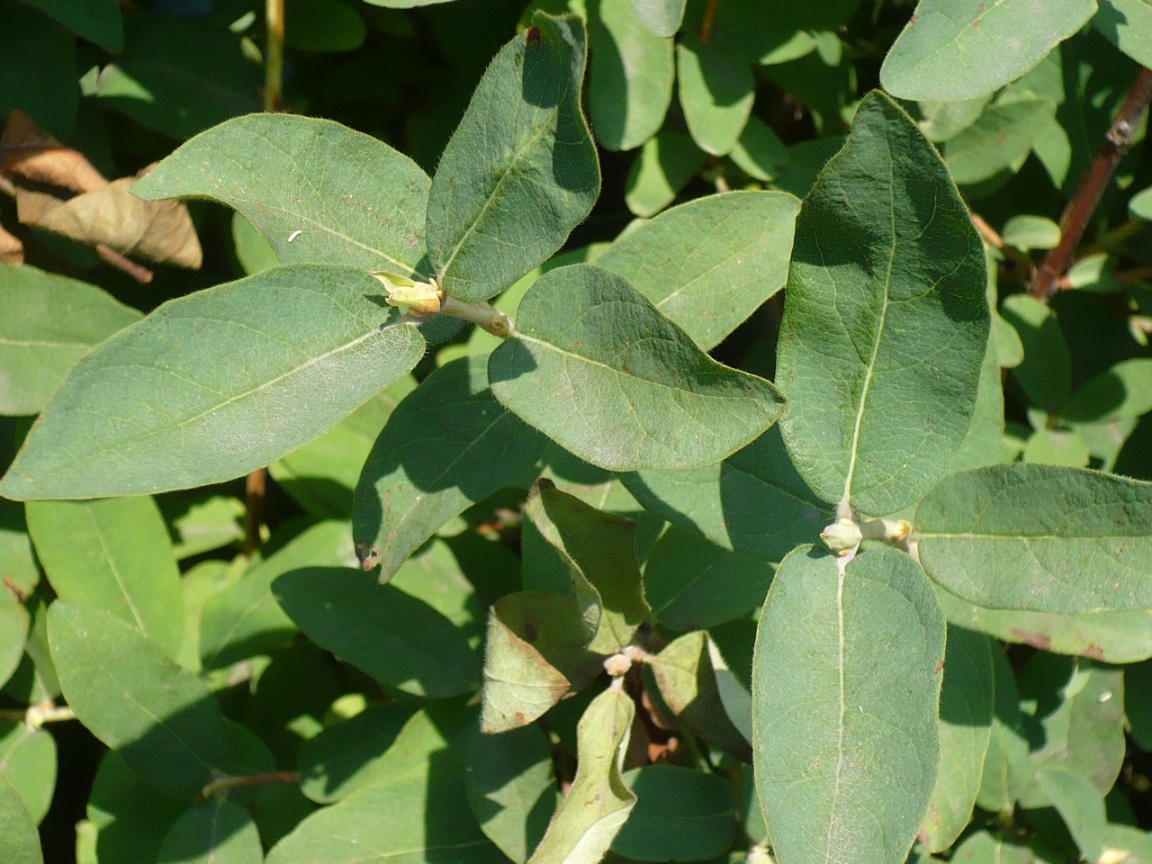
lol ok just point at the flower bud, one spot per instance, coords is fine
(418, 298)
(842, 537)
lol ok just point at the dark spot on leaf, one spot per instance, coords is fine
(533, 35)
(1093, 651)
(530, 632)
(1036, 640)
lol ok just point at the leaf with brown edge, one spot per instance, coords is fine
(28, 153)
(11, 249)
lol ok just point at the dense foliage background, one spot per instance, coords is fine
(736, 95)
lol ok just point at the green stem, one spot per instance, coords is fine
(480, 314)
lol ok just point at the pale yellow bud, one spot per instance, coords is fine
(418, 298)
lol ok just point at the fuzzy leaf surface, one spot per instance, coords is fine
(885, 322)
(595, 367)
(160, 406)
(846, 684)
(520, 171)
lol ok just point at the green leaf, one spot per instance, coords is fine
(592, 555)
(1114, 637)
(30, 42)
(520, 171)
(213, 831)
(318, 191)
(944, 120)
(28, 762)
(400, 641)
(754, 502)
(966, 711)
(662, 17)
(760, 153)
(1081, 807)
(599, 802)
(1074, 712)
(688, 679)
(323, 25)
(984, 848)
(50, 322)
(417, 811)
(447, 446)
(663, 167)
(1125, 390)
(1007, 770)
(1127, 24)
(243, 620)
(130, 816)
(845, 692)
(1056, 447)
(98, 22)
(19, 841)
(692, 583)
(346, 757)
(535, 654)
(113, 554)
(732, 255)
(1046, 370)
(253, 251)
(961, 49)
(596, 368)
(177, 76)
(510, 786)
(999, 141)
(982, 444)
(1060, 540)
(151, 410)
(14, 624)
(1027, 232)
(208, 522)
(680, 815)
(630, 81)
(885, 322)
(129, 694)
(716, 93)
(16, 548)
(322, 475)
(1140, 204)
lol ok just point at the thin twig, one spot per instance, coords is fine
(225, 783)
(709, 20)
(254, 488)
(274, 54)
(993, 239)
(140, 273)
(1079, 211)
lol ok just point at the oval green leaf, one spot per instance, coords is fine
(520, 171)
(114, 554)
(732, 254)
(846, 683)
(662, 17)
(153, 408)
(400, 641)
(213, 831)
(318, 191)
(448, 445)
(716, 92)
(596, 368)
(164, 721)
(19, 840)
(886, 319)
(680, 815)
(961, 49)
(49, 323)
(1039, 538)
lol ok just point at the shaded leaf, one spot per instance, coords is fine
(663, 167)
(1081, 807)
(999, 140)
(680, 815)
(1127, 24)
(1045, 373)
(28, 762)
(19, 841)
(50, 322)
(291, 332)
(716, 93)
(630, 81)
(596, 368)
(754, 502)
(400, 641)
(98, 22)
(346, 757)
(114, 554)
(323, 25)
(760, 153)
(317, 190)
(510, 786)
(1060, 540)
(1125, 390)
(845, 693)
(961, 49)
(30, 43)
(599, 802)
(445, 447)
(129, 694)
(520, 171)
(14, 624)
(885, 322)
(1007, 770)
(709, 264)
(214, 831)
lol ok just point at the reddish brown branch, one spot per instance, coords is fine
(709, 20)
(254, 488)
(226, 783)
(1075, 218)
(141, 274)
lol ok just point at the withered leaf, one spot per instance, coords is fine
(11, 249)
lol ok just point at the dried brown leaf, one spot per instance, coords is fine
(29, 153)
(11, 249)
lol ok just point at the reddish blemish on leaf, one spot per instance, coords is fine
(1036, 640)
(533, 36)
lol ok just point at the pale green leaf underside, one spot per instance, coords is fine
(600, 371)
(886, 319)
(49, 323)
(662, 17)
(162, 405)
(709, 264)
(317, 190)
(961, 49)
(1127, 24)
(129, 694)
(1040, 538)
(520, 171)
(845, 689)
